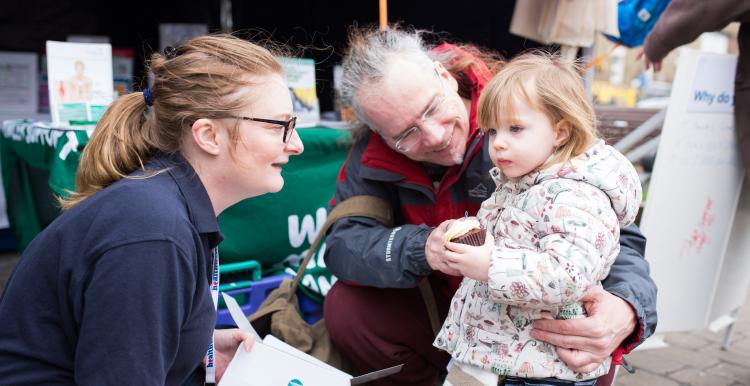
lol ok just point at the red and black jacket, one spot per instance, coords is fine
(395, 257)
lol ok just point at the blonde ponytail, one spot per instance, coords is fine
(116, 149)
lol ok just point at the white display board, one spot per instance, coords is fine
(300, 77)
(735, 271)
(18, 83)
(694, 191)
(79, 80)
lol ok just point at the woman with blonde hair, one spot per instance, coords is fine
(122, 287)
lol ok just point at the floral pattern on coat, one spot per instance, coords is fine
(556, 235)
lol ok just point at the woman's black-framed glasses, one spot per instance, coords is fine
(288, 125)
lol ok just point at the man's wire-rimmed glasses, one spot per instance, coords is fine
(413, 135)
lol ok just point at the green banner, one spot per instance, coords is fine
(275, 229)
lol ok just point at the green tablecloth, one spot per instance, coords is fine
(38, 163)
(274, 229)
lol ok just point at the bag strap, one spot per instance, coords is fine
(380, 210)
(429, 301)
(356, 206)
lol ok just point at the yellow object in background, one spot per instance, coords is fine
(608, 94)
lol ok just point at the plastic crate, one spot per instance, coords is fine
(251, 295)
(242, 275)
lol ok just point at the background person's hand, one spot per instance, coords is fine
(472, 261)
(583, 344)
(225, 346)
(648, 63)
(434, 250)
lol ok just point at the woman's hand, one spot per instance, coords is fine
(473, 262)
(583, 344)
(225, 346)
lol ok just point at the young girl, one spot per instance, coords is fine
(553, 225)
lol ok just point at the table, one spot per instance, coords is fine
(39, 162)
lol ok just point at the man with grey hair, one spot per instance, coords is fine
(424, 153)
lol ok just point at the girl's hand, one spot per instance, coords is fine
(473, 262)
(225, 345)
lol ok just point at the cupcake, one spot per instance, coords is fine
(465, 231)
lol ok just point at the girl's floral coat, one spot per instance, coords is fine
(556, 234)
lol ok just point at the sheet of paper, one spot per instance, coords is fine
(238, 316)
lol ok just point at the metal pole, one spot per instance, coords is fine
(588, 76)
(383, 15)
(640, 132)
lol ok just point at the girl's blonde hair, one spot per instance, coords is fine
(199, 79)
(550, 84)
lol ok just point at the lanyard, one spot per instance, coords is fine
(210, 357)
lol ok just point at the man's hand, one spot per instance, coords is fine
(434, 250)
(583, 344)
(473, 262)
(647, 63)
(225, 345)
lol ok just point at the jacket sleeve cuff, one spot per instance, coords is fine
(637, 336)
(416, 247)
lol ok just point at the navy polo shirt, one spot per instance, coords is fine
(116, 290)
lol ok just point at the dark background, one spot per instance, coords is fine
(315, 29)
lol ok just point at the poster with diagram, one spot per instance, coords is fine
(79, 79)
(694, 192)
(300, 77)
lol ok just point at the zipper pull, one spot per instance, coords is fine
(627, 366)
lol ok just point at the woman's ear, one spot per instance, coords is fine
(206, 135)
(562, 132)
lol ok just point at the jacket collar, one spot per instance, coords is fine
(198, 203)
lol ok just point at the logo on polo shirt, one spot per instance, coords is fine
(295, 382)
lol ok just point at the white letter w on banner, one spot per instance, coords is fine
(309, 228)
